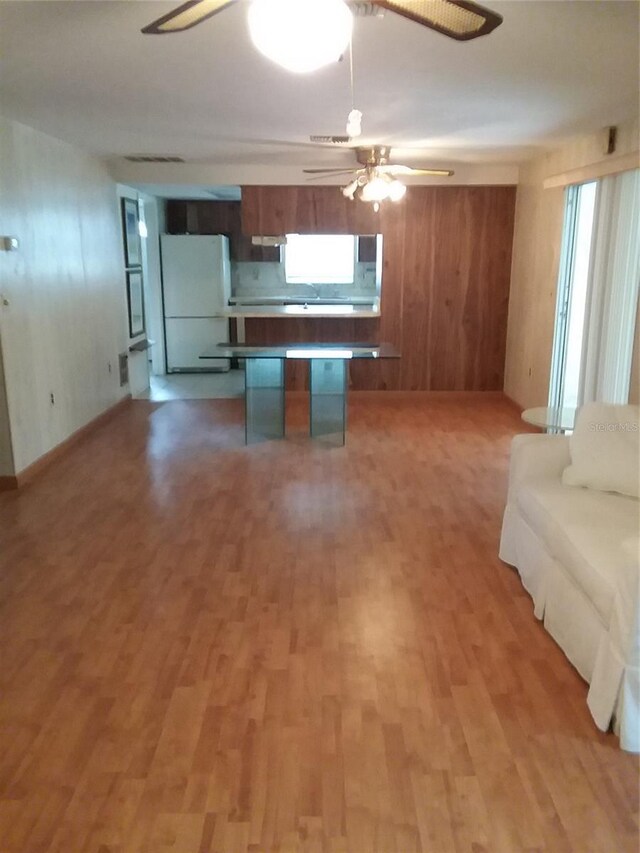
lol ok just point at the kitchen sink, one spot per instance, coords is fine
(301, 300)
(332, 300)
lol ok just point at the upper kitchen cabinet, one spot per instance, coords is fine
(217, 217)
(304, 210)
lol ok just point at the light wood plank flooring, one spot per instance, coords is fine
(207, 647)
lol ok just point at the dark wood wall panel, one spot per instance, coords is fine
(445, 286)
(445, 291)
(304, 210)
(315, 330)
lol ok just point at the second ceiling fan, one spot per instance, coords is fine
(376, 179)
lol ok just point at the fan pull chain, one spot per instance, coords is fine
(354, 119)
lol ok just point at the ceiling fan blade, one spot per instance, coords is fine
(390, 169)
(328, 174)
(436, 173)
(186, 16)
(328, 171)
(459, 19)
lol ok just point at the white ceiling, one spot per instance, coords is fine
(83, 72)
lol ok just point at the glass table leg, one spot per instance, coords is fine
(264, 399)
(328, 399)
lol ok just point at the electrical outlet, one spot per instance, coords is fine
(52, 398)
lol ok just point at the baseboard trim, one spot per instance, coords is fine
(28, 474)
(513, 404)
(446, 396)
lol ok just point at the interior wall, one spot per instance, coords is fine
(63, 327)
(154, 215)
(536, 259)
(138, 359)
(445, 283)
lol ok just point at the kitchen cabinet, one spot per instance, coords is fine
(217, 217)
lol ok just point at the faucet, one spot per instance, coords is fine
(313, 287)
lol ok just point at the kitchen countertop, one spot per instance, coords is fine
(301, 299)
(306, 310)
(308, 351)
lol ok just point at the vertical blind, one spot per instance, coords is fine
(612, 296)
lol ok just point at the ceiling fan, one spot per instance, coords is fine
(377, 179)
(459, 19)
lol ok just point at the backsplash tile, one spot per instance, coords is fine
(267, 279)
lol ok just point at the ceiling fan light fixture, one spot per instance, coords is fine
(375, 190)
(350, 190)
(300, 35)
(397, 190)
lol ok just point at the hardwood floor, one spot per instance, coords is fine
(286, 647)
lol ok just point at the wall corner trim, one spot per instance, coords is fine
(512, 403)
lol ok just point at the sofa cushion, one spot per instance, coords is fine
(586, 531)
(605, 449)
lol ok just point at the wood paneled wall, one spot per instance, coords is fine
(537, 245)
(445, 290)
(304, 210)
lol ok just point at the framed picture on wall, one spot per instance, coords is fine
(135, 301)
(131, 233)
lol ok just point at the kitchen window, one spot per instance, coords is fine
(320, 259)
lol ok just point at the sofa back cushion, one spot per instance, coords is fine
(605, 449)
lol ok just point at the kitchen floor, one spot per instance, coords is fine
(194, 386)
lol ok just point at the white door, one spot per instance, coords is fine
(187, 339)
(195, 274)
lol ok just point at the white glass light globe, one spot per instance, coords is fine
(397, 191)
(300, 35)
(376, 190)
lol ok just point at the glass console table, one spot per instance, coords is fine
(265, 379)
(550, 418)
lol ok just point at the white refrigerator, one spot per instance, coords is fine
(196, 282)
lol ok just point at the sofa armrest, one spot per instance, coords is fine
(537, 457)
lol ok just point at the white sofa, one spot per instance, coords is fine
(576, 550)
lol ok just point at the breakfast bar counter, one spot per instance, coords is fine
(321, 309)
(265, 376)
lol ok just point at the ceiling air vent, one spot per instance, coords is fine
(152, 158)
(331, 140)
